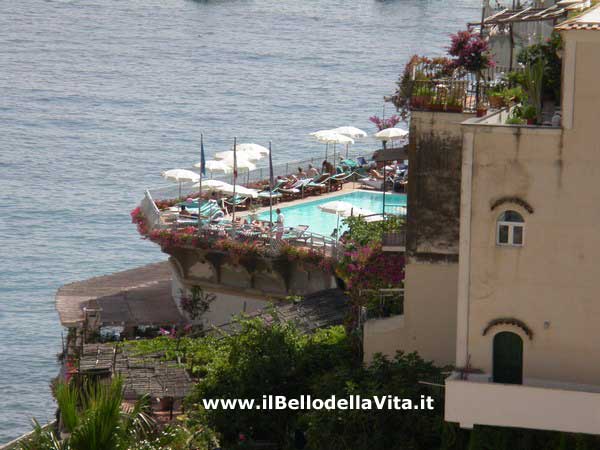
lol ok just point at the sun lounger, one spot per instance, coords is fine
(295, 190)
(340, 178)
(296, 233)
(237, 200)
(375, 183)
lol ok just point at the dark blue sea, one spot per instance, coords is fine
(97, 97)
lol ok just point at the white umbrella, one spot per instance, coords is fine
(331, 137)
(213, 185)
(336, 207)
(180, 176)
(241, 190)
(353, 132)
(390, 134)
(250, 147)
(213, 165)
(251, 155)
(356, 212)
(344, 209)
(244, 164)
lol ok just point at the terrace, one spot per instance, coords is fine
(247, 218)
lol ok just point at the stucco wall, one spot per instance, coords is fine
(428, 325)
(227, 304)
(512, 405)
(551, 282)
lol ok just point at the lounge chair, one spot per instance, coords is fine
(296, 233)
(375, 183)
(339, 179)
(349, 165)
(237, 200)
(296, 189)
(318, 184)
(266, 195)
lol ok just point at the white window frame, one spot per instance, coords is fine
(511, 226)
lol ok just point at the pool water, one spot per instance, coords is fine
(324, 223)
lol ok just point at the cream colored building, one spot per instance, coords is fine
(428, 323)
(528, 321)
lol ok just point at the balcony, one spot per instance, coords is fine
(394, 241)
(536, 404)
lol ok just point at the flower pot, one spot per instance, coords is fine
(436, 107)
(481, 112)
(420, 101)
(531, 121)
(454, 108)
(496, 101)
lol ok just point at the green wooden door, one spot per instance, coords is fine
(508, 358)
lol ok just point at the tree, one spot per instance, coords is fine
(92, 419)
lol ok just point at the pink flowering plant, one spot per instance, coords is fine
(250, 254)
(382, 124)
(470, 51)
(368, 267)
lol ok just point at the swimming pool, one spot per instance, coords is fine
(324, 223)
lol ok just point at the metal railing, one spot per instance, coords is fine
(260, 174)
(433, 90)
(394, 239)
(150, 210)
(382, 303)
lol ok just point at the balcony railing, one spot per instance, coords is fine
(382, 303)
(394, 240)
(461, 92)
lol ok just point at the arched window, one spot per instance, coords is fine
(510, 229)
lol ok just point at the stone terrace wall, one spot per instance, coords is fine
(435, 158)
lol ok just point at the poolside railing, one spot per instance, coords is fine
(150, 210)
(247, 178)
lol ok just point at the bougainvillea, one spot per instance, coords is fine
(368, 267)
(247, 253)
(382, 124)
(470, 51)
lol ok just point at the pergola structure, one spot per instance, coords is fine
(554, 13)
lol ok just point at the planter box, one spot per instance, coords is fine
(420, 102)
(437, 107)
(454, 108)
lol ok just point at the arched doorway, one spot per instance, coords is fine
(508, 358)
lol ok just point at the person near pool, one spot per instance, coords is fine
(279, 225)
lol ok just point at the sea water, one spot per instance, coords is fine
(98, 97)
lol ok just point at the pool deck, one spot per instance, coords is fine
(347, 188)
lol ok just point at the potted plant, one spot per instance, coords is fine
(515, 117)
(529, 114)
(454, 104)
(495, 95)
(437, 103)
(481, 110)
(514, 95)
(421, 97)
